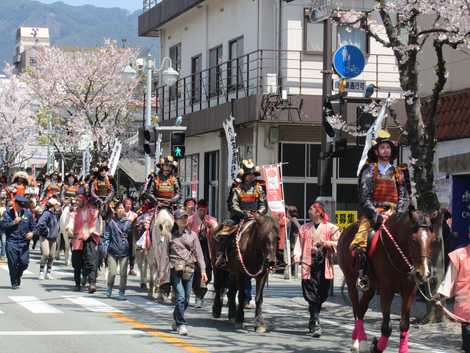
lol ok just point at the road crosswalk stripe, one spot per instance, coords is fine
(5, 267)
(92, 304)
(35, 305)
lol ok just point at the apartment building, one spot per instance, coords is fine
(265, 56)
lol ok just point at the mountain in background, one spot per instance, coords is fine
(76, 26)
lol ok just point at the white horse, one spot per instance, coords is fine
(64, 220)
(158, 254)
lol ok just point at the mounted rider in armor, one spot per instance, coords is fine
(383, 191)
(247, 196)
(164, 188)
(52, 188)
(69, 188)
(102, 189)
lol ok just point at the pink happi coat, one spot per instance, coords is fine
(461, 260)
(327, 233)
(195, 222)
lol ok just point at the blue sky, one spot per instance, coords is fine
(131, 5)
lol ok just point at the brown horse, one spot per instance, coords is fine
(252, 255)
(399, 264)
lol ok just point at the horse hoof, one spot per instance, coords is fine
(239, 326)
(355, 346)
(261, 329)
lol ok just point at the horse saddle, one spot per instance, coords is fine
(228, 229)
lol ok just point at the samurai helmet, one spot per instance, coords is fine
(169, 160)
(248, 167)
(21, 175)
(382, 137)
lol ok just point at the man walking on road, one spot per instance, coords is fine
(17, 223)
(85, 240)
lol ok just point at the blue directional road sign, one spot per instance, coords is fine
(349, 61)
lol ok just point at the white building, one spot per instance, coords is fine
(266, 55)
(27, 39)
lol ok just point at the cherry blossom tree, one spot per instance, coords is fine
(86, 94)
(411, 29)
(17, 121)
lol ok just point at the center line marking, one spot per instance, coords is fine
(171, 339)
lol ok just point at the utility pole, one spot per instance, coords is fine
(148, 109)
(327, 88)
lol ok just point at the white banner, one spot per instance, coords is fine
(372, 134)
(233, 152)
(86, 161)
(114, 157)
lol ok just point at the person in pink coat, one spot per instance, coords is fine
(314, 250)
(457, 284)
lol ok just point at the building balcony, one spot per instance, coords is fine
(158, 12)
(265, 85)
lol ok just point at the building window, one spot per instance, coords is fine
(211, 184)
(346, 199)
(347, 164)
(354, 36)
(175, 56)
(313, 34)
(196, 67)
(215, 71)
(189, 176)
(294, 155)
(235, 50)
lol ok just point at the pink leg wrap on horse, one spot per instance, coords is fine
(359, 333)
(403, 342)
(382, 343)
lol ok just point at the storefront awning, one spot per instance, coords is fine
(134, 169)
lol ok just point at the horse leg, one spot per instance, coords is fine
(231, 293)
(407, 296)
(359, 335)
(240, 282)
(218, 288)
(386, 298)
(259, 320)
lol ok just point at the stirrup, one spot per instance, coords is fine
(363, 283)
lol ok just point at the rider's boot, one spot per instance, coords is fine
(363, 282)
(221, 260)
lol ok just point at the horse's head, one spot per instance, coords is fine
(267, 237)
(424, 233)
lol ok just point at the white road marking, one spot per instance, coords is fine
(1, 312)
(92, 304)
(73, 333)
(5, 267)
(35, 305)
(150, 306)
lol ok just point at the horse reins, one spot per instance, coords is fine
(237, 244)
(400, 251)
(428, 298)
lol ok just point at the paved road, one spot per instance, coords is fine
(48, 317)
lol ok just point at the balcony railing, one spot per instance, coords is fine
(258, 73)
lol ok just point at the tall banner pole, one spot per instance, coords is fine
(287, 251)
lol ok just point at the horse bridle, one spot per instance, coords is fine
(237, 245)
(411, 268)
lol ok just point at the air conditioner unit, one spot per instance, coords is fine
(270, 83)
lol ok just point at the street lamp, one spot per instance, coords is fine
(169, 76)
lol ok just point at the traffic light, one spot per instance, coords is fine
(148, 138)
(364, 121)
(177, 145)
